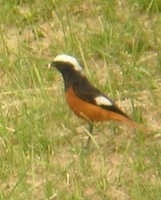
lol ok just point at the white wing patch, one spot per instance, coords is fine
(68, 59)
(101, 100)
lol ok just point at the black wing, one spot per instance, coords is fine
(87, 92)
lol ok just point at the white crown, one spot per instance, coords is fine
(68, 59)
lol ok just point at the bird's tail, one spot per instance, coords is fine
(128, 121)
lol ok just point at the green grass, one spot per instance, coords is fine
(42, 153)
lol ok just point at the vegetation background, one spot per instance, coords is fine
(41, 142)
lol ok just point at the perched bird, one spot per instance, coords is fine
(84, 99)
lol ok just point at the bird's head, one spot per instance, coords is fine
(70, 69)
(66, 63)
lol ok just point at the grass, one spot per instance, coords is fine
(41, 141)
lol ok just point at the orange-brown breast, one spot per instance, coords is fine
(91, 112)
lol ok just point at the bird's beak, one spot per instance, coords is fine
(50, 65)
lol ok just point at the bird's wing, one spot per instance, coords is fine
(92, 95)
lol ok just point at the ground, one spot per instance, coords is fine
(42, 144)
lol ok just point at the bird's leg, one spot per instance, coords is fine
(90, 129)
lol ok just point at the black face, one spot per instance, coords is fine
(70, 75)
(63, 67)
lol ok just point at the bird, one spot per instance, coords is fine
(84, 99)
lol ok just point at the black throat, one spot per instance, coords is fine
(70, 75)
(71, 78)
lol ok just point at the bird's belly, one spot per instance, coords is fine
(86, 110)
